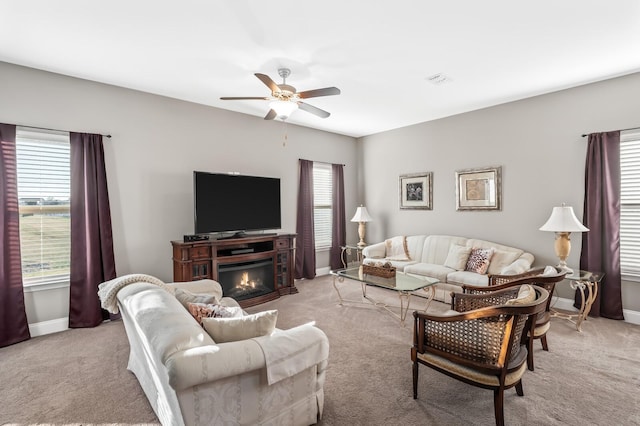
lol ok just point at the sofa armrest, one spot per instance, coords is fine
(209, 363)
(375, 251)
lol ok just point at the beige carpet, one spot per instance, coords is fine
(589, 378)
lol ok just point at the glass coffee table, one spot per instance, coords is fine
(403, 284)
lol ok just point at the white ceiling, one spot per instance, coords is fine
(378, 53)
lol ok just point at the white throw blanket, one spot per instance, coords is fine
(108, 290)
(287, 354)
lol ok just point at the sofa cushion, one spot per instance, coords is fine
(224, 330)
(396, 249)
(438, 272)
(436, 248)
(212, 310)
(185, 297)
(205, 286)
(466, 277)
(501, 259)
(479, 260)
(457, 257)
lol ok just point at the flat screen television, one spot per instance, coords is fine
(235, 203)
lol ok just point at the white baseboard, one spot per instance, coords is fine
(48, 327)
(632, 317)
(323, 271)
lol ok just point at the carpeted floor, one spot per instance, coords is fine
(591, 378)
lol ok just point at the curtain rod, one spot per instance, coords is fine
(325, 162)
(54, 130)
(621, 130)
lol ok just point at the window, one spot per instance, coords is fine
(44, 189)
(322, 204)
(630, 205)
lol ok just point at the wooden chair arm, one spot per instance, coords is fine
(497, 279)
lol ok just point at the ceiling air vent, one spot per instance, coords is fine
(439, 78)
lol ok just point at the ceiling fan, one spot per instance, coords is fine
(285, 99)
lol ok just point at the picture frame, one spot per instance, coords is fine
(479, 189)
(416, 191)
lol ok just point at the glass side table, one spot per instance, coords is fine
(351, 255)
(587, 282)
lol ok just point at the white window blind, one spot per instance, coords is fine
(44, 189)
(322, 199)
(630, 204)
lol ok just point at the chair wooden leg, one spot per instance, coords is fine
(498, 406)
(415, 379)
(519, 388)
(543, 340)
(530, 353)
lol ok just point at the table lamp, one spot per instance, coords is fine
(361, 216)
(563, 222)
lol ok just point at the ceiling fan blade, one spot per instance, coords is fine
(270, 115)
(238, 98)
(268, 82)
(327, 91)
(313, 110)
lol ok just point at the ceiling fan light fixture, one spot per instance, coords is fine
(283, 108)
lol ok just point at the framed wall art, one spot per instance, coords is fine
(479, 189)
(416, 191)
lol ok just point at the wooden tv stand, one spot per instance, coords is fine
(199, 260)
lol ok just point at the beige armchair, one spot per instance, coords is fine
(480, 342)
(534, 277)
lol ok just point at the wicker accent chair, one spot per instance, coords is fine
(534, 277)
(480, 343)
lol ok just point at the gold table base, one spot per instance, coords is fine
(587, 298)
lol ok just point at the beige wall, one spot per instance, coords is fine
(537, 142)
(157, 143)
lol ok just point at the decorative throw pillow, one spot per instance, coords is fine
(479, 260)
(457, 257)
(185, 297)
(526, 295)
(548, 271)
(224, 330)
(397, 249)
(212, 310)
(501, 259)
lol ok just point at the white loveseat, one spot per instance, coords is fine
(427, 256)
(191, 380)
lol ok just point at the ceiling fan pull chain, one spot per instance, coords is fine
(286, 137)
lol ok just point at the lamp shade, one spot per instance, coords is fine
(362, 215)
(283, 108)
(563, 219)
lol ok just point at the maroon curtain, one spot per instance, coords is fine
(305, 241)
(601, 245)
(338, 226)
(14, 327)
(92, 260)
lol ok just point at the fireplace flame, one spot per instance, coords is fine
(245, 282)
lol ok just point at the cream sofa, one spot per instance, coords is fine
(427, 256)
(191, 380)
